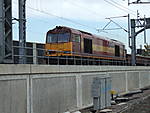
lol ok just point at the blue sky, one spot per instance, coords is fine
(87, 15)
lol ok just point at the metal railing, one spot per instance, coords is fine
(36, 55)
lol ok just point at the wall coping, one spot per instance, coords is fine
(49, 69)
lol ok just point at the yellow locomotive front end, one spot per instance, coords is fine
(58, 43)
(58, 49)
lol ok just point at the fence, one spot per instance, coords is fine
(35, 54)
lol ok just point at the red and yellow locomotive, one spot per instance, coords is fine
(65, 41)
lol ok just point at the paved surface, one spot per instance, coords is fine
(141, 107)
(138, 103)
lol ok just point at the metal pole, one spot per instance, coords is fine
(129, 31)
(34, 53)
(133, 42)
(144, 29)
(137, 21)
(22, 31)
(2, 30)
(128, 2)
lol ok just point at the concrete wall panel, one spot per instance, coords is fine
(13, 96)
(54, 95)
(118, 81)
(144, 79)
(133, 80)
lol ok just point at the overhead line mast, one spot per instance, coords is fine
(6, 31)
(6, 40)
(143, 23)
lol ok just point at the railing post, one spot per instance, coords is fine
(22, 31)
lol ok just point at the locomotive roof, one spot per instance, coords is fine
(96, 36)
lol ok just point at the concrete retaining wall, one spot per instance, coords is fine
(55, 89)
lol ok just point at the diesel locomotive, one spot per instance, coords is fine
(65, 41)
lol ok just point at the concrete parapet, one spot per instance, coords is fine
(14, 69)
(33, 69)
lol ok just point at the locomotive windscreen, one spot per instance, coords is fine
(59, 37)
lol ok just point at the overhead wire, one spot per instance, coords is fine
(118, 7)
(41, 11)
(125, 7)
(120, 27)
(63, 18)
(122, 6)
(87, 9)
(59, 17)
(92, 12)
(14, 18)
(96, 13)
(29, 30)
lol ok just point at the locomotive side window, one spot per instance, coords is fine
(117, 51)
(87, 46)
(75, 38)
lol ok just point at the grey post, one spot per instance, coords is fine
(129, 42)
(144, 29)
(2, 47)
(133, 43)
(34, 54)
(22, 31)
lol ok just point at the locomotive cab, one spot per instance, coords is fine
(58, 43)
(63, 41)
